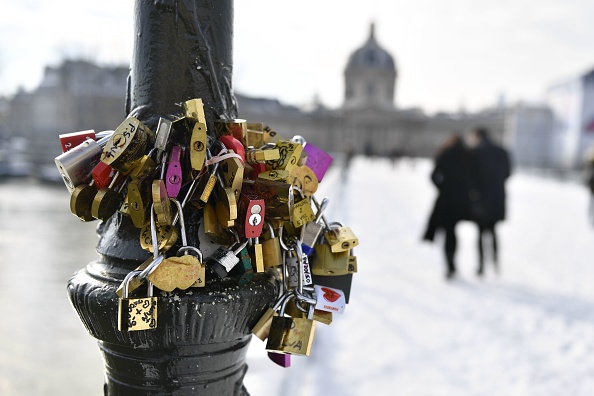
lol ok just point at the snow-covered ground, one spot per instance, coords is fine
(528, 331)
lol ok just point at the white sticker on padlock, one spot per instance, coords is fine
(293, 269)
(307, 279)
(329, 299)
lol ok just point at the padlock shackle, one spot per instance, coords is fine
(182, 223)
(131, 275)
(154, 233)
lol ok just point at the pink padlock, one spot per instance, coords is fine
(173, 178)
(280, 358)
(318, 160)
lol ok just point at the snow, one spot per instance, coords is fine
(407, 331)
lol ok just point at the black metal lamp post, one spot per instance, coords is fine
(183, 50)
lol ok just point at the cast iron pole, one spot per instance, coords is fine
(183, 50)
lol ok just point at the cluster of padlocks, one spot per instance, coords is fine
(255, 191)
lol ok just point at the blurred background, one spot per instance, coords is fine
(379, 85)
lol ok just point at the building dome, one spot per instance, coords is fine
(371, 56)
(370, 77)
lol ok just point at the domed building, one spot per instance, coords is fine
(368, 122)
(370, 77)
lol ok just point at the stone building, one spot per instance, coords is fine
(75, 96)
(369, 122)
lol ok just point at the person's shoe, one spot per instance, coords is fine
(450, 274)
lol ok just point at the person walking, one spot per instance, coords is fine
(450, 176)
(491, 168)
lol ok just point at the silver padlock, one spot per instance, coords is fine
(224, 259)
(310, 232)
(75, 166)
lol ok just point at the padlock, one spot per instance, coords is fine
(183, 270)
(138, 201)
(243, 271)
(254, 135)
(269, 135)
(76, 166)
(256, 156)
(68, 141)
(277, 196)
(103, 175)
(231, 143)
(224, 259)
(262, 327)
(211, 226)
(304, 267)
(136, 282)
(278, 175)
(226, 206)
(127, 144)
(289, 155)
(162, 138)
(318, 160)
(194, 110)
(311, 231)
(107, 200)
(230, 173)
(325, 262)
(162, 202)
(302, 212)
(280, 359)
(166, 237)
(234, 127)
(305, 179)
(341, 239)
(256, 254)
(293, 336)
(143, 167)
(250, 214)
(137, 313)
(254, 170)
(271, 250)
(197, 146)
(174, 176)
(81, 201)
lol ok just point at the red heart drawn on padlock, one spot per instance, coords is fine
(330, 295)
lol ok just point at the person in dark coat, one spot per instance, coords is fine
(450, 176)
(491, 168)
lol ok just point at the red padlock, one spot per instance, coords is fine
(257, 169)
(233, 144)
(250, 215)
(71, 140)
(103, 175)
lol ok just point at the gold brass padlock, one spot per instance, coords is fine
(81, 201)
(325, 262)
(341, 239)
(271, 250)
(198, 146)
(277, 196)
(290, 152)
(137, 313)
(194, 110)
(293, 336)
(127, 144)
(138, 202)
(302, 213)
(269, 135)
(305, 179)
(257, 255)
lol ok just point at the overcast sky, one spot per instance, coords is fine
(448, 53)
